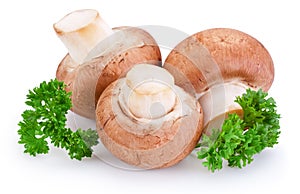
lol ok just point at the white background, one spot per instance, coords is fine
(30, 53)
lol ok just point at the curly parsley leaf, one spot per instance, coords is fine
(47, 120)
(240, 139)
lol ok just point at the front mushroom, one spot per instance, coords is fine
(217, 65)
(146, 120)
(97, 52)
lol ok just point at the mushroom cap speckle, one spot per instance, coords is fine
(114, 57)
(220, 55)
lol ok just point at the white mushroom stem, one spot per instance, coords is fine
(149, 92)
(218, 101)
(81, 31)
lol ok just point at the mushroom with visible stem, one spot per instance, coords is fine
(146, 120)
(97, 52)
(217, 65)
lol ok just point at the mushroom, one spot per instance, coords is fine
(146, 120)
(98, 53)
(216, 65)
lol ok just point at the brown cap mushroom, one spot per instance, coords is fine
(100, 54)
(216, 65)
(146, 120)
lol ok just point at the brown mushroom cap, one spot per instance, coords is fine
(215, 66)
(151, 144)
(198, 61)
(117, 53)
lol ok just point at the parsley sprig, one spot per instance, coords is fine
(47, 120)
(241, 138)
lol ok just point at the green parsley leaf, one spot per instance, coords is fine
(240, 139)
(47, 120)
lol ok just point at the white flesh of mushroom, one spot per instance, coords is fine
(81, 31)
(149, 94)
(218, 101)
(152, 94)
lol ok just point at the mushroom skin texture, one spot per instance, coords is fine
(155, 138)
(218, 64)
(104, 57)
